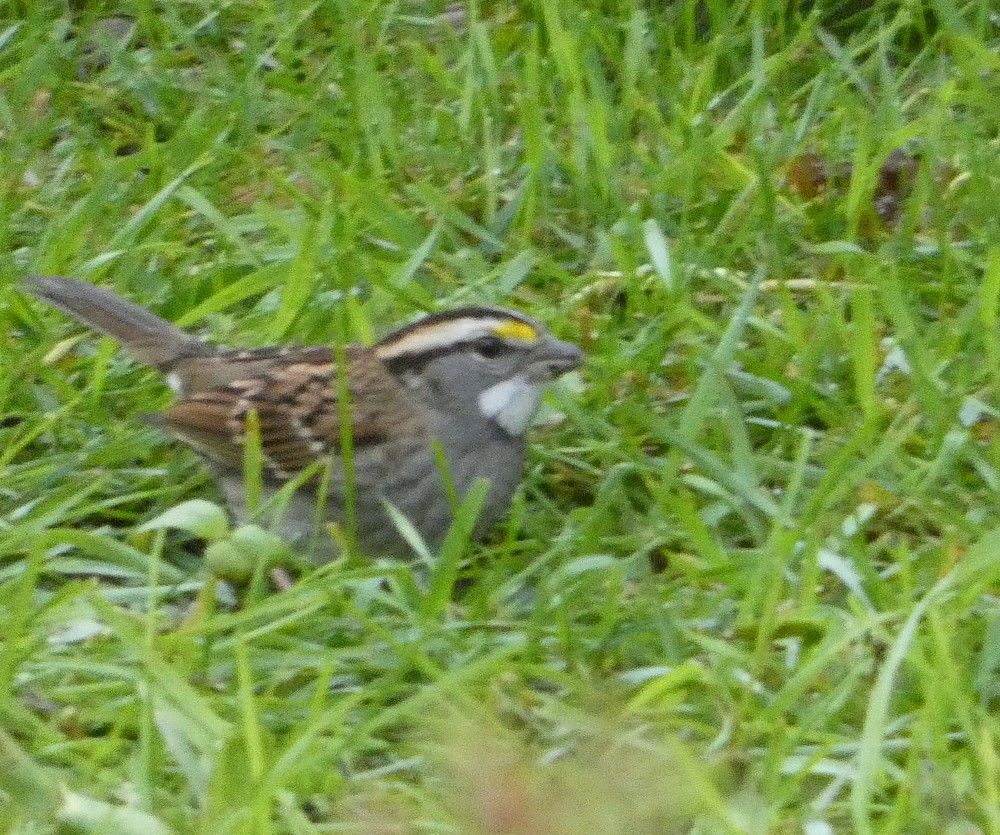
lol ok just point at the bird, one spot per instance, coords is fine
(431, 408)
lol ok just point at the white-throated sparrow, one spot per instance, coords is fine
(469, 379)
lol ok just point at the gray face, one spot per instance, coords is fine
(482, 363)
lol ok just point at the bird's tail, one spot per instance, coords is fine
(144, 335)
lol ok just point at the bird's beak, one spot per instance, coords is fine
(554, 358)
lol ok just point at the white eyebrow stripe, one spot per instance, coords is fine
(438, 335)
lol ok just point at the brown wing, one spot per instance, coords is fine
(297, 410)
(195, 375)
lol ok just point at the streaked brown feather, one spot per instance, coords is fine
(296, 407)
(226, 366)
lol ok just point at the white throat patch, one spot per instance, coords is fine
(511, 403)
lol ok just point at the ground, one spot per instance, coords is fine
(750, 583)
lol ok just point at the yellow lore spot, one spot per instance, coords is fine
(514, 329)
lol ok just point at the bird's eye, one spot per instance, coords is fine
(488, 347)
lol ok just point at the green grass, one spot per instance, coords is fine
(750, 583)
